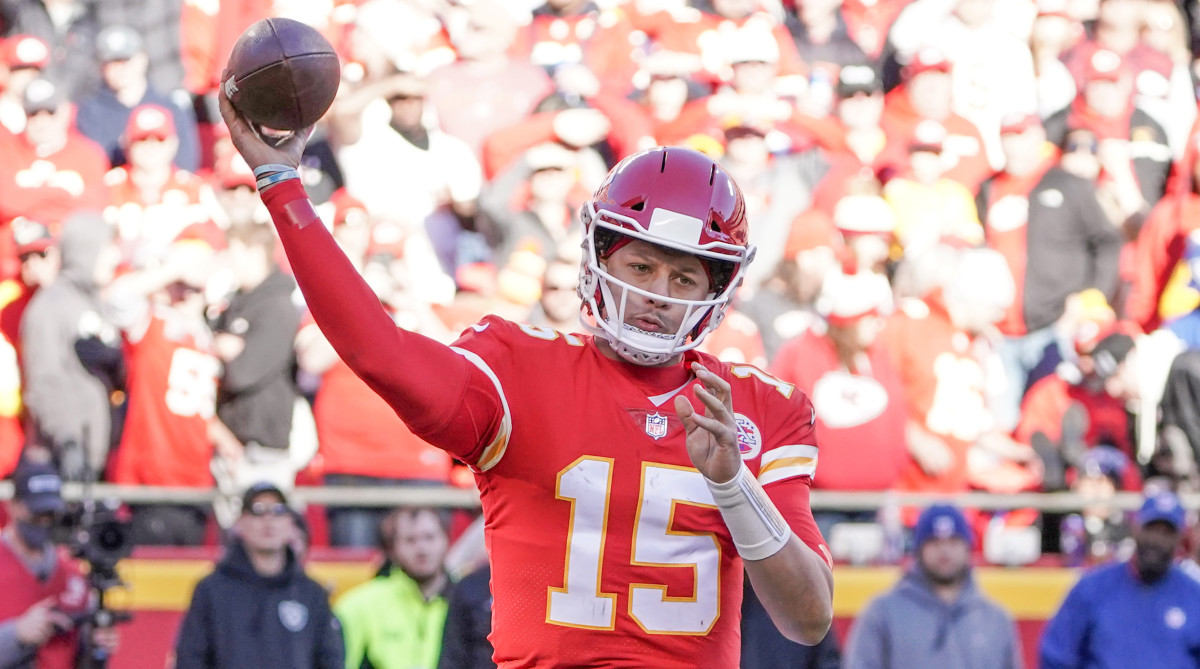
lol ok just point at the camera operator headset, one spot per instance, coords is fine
(44, 588)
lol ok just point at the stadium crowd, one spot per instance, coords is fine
(975, 227)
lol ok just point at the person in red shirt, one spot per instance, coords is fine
(171, 382)
(44, 589)
(855, 387)
(618, 527)
(577, 32)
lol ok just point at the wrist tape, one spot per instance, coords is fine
(758, 529)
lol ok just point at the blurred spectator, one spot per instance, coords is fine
(868, 229)
(852, 138)
(485, 89)
(558, 305)
(258, 608)
(823, 40)
(158, 23)
(25, 56)
(1005, 204)
(992, 73)
(566, 33)
(236, 194)
(663, 84)
(465, 642)
(258, 402)
(52, 170)
(1102, 472)
(929, 206)
(44, 589)
(1055, 30)
(152, 200)
(870, 21)
(1132, 146)
(927, 94)
(69, 27)
(172, 388)
(361, 440)
(936, 615)
(386, 34)
(395, 620)
(763, 647)
(944, 347)
(1071, 244)
(854, 387)
(1180, 421)
(406, 170)
(125, 86)
(71, 352)
(1082, 407)
(1156, 292)
(1157, 84)
(1141, 612)
(38, 253)
(208, 33)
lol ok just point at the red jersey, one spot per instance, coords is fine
(22, 589)
(860, 415)
(172, 382)
(49, 188)
(606, 546)
(963, 149)
(149, 220)
(1049, 398)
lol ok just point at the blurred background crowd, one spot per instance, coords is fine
(976, 229)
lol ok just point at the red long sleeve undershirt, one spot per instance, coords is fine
(440, 395)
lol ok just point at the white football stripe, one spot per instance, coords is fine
(786, 462)
(495, 450)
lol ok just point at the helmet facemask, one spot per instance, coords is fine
(605, 298)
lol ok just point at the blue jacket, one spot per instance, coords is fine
(1112, 620)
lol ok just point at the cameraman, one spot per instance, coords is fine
(44, 589)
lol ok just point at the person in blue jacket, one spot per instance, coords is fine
(1143, 612)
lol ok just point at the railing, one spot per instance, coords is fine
(452, 497)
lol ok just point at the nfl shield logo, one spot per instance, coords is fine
(656, 425)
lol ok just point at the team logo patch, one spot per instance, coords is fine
(293, 615)
(656, 425)
(749, 437)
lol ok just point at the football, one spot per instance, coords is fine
(282, 74)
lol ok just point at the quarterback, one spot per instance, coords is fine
(626, 479)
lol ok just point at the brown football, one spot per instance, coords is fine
(282, 74)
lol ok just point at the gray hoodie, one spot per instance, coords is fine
(68, 400)
(910, 628)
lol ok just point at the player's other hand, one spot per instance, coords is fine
(712, 433)
(254, 149)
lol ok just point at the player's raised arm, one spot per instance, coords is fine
(425, 382)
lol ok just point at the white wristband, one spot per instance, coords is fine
(271, 179)
(758, 529)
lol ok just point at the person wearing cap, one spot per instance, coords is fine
(258, 608)
(105, 116)
(936, 616)
(44, 588)
(395, 620)
(25, 56)
(926, 93)
(152, 199)
(1139, 612)
(61, 171)
(68, 28)
(856, 389)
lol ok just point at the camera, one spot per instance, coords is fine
(99, 535)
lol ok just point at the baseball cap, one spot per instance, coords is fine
(927, 59)
(39, 487)
(30, 236)
(149, 121)
(1018, 122)
(750, 44)
(1163, 506)
(846, 298)
(260, 488)
(854, 79)
(941, 521)
(26, 51)
(117, 43)
(1105, 65)
(927, 136)
(41, 95)
(347, 208)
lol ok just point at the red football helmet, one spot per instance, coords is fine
(676, 198)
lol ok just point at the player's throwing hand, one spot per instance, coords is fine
(254, 150)
(712, 435)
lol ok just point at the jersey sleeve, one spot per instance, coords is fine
(439, 394)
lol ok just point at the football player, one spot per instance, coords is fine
(622, 491)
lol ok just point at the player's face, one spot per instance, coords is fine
(660, 271)
(420, 544)
(945, 561)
